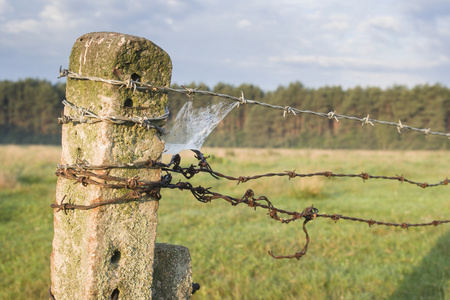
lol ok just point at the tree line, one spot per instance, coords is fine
(30, 109)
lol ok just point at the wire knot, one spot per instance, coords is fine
(82, 180)
(291, 174)
(332, 115)
(365, 176)
(288, 110)
(64, 119)
(130, 84)
(424, 185)
(401, 178)
(144, 122)
(399, 126)
(436, 223)
(132, 182)
(82, 119)
(335, 218)
(63, 205)
(366, 121)
(328, 174)
(309, 213)
(190, 92)
(273, 214)
(63, 72)
(242, 179)
(242, 99)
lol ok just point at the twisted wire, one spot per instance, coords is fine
(332, 115)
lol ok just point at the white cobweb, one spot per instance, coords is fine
(193, 123)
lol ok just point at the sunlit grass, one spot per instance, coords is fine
(27, 188)
(345, 260)
(228, 245)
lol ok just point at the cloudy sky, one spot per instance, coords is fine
(267, 43)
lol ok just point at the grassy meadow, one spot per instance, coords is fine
(228, 245)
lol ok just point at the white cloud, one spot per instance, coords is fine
(169, 21)
(54, 14)
(339, 22)
(53, 17)
(389, 23)
(244, 24)
(380, 79)
(360, 63)
(443, 25)
(337, 25)
(263, 41)
(5, 7)
(22, 26)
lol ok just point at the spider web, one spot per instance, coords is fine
(194, 122)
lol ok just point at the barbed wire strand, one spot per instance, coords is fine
(86, 116)
(139, 188)
(332, 115)
(371, 222)
(189, 172)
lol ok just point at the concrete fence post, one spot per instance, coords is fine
(108, 252)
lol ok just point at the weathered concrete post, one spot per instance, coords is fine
(108, 252)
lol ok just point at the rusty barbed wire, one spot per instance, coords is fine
(371, 222)
(202, 194)
(328, 174)
(86, 116)
(332, 115)
(293, 174)
(138, 188)
(64, 206)
(85, 165)
(204, 167)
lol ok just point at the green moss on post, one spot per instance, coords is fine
(109, 248)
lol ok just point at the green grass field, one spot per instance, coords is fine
(228, 245)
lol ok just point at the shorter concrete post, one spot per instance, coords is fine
(172, 275)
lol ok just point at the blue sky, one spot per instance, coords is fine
(267, 43)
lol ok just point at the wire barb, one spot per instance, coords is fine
(130, 84)
(366, 121)
(332, 115)
(399, 126)
(288, 110)
(190, 92)
(242, 99)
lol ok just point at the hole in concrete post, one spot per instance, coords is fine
(128, 103)
(115, 257)
(79, 153)
(115, 294)
(135, 77)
